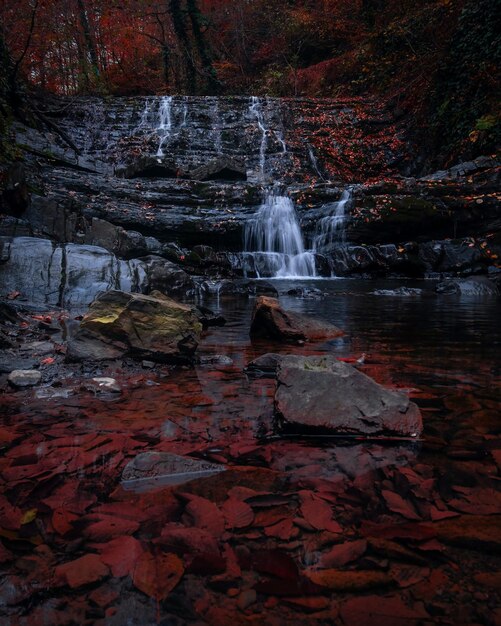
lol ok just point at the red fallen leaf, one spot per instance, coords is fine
(310, 604)
(121, 555)
(317, 512)
(397, 504)
(182, 540)
(204, 514)
(271, 516)
(108, 527)
(436, 514)
(7, 437)
(343, 553)
(103, 596)
(431, 546)
(157, 575)
(412, 531)
(83, 571)
(380, 611)
(70, 496)
(276, 563)
(284, 530)
(13, 295)
(124, 510)
(237, 514)
(62, 521)
(48, 361)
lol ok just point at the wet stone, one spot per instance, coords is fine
(24, 378)
(270, 320)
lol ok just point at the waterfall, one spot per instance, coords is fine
(314, 161)
(164, 127)
(330, 229)
(216, 127)
(256, 111)
(274, 242)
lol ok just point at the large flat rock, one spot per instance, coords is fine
(322, 394)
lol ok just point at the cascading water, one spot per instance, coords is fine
(164, 128)
(256, 111)
(274, 242)
(216, 127)
(314, 161)
(330, 229)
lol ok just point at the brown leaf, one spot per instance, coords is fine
(121, 555)
(205, 515)
(83, 571)
(157, 575)
(343, 553)
(349, 580)
(318, 513)
(397, 504)
(237, 514)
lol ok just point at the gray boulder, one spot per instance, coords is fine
(322, 394)
(24, 378)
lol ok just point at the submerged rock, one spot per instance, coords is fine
(118, 324)
(24, 378)
(475, 286)
(153, 468)
(271, 321)
(401, 291)
(264, 366)
(323, 394)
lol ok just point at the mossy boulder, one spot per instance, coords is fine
(127, 324)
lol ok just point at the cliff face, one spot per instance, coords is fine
(170, 176)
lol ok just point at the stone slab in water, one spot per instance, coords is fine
(150, 469)
(271, 321)
(322, 394)
(474, 286)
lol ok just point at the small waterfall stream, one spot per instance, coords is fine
(330, 229)
(274, 242)
(164, 128)
(256, 111)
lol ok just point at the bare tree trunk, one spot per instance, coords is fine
(203, 50)
(179, 25)
(89, 42)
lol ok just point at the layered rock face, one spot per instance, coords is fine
(71, 276)
(182, 177)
